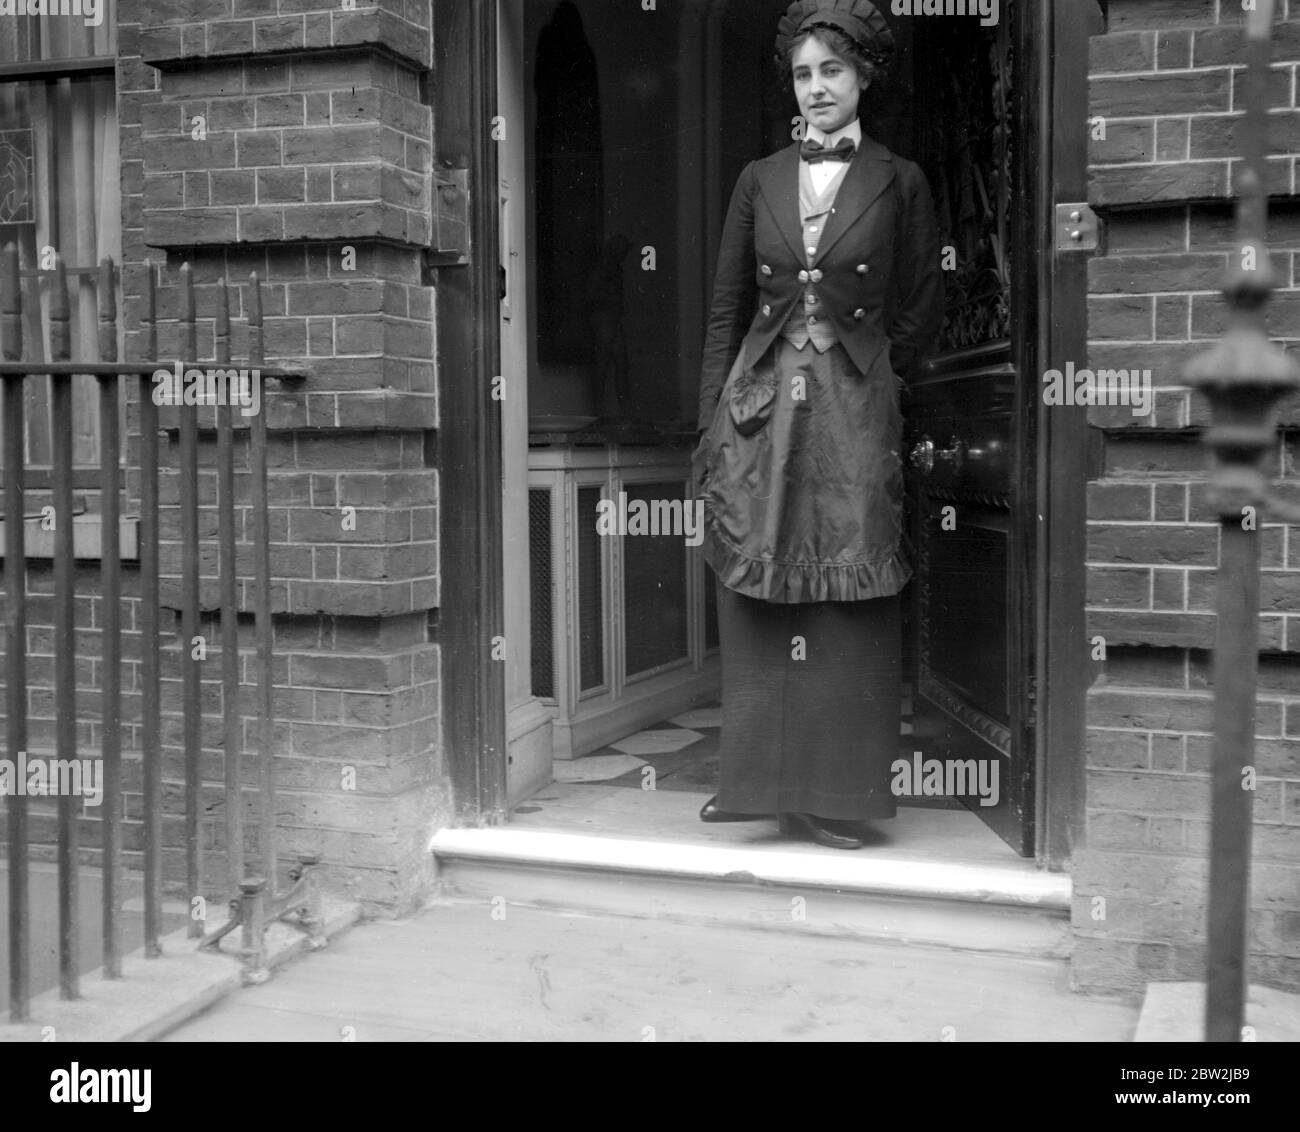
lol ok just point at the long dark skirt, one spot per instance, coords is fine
(810, 706)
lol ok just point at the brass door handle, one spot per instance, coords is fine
(924, 454)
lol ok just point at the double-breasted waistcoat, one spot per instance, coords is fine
(802, 477)
(878, 259)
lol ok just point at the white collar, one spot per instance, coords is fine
(853, 131)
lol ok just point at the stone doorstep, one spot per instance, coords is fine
(877, 874)
(155, 996)
(1175, 1012)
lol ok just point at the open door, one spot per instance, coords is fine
(684, 104)
(972, 421)
(528, 722)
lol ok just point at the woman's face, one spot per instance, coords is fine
(827, 86)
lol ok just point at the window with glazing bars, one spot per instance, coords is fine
(60, 201)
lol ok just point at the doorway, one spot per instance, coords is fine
(624, 132)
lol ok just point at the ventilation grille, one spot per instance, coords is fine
(541, 581)
(591, 579)
(654, 587)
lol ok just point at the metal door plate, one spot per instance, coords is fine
(1077, 228)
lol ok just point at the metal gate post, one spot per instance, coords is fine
(1244, 377)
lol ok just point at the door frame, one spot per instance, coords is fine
(1065, 443)
(468, 452)
(462, 90)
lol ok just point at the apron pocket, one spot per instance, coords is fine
(753, 394)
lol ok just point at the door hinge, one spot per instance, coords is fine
(1077, 228)
(1031, 701)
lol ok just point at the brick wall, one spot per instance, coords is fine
(289, 137)
(1167, 79)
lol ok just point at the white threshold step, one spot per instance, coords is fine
(859, 871)
(1009, 909)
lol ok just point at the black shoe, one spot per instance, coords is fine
(710, 812)
(868, 833)
(824, 831)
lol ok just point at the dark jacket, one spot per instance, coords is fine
(879, 258)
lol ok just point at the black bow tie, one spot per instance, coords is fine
(813, 152)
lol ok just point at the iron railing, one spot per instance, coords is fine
(255, 898)
(1244, 377)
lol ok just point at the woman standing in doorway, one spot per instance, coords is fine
(826, 299)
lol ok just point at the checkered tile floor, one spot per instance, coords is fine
(682, 754)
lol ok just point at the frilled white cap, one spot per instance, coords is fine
(860, 20)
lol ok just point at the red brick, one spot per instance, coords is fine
(1221, 46)
(280, 186)
(1144, 274)
(1279, 87)
(1119, 588)
(1116, 831)
(1220, 136)
(187, 227)
(1199, 92)
(1147, 667)
(230, 37)
(280, 110)
(1131, 15)
(1148, 709)
(1144, 184)
(175, 154)
(1125, 750)
(1173, 316)
(1168, 589)
(1124, 318)
(1174, 50)
(233, 186)
(1154, 544)
(258, 147)
(1172, 140)
(279, 34)
(1121, 51)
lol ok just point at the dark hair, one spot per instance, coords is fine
(834, 40)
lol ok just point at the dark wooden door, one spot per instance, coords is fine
(971, 425)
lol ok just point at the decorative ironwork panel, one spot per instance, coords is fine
(968, 157)
(17, 174)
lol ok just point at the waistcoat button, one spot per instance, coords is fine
(862, 269)
(767, 310)
(766, 270)
(859, 314)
